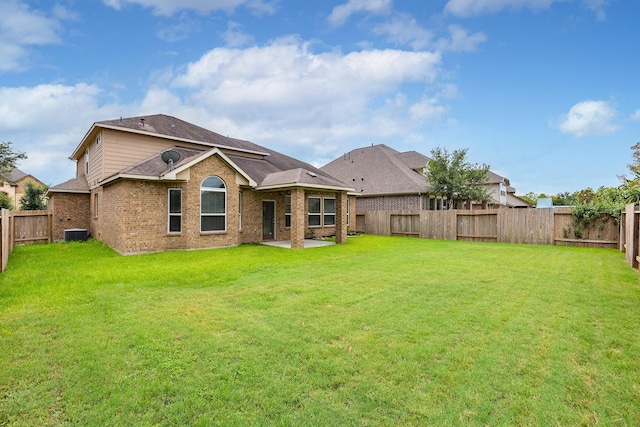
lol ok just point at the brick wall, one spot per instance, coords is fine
(392, 203)
(70, 210)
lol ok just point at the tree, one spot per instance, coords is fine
(5, 201)
(635, 166)
(8, 159)
(452, 176)
(564, 199)
(33, 199)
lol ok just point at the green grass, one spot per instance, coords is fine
(378, 331)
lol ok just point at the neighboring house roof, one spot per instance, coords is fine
(15, 176)
(516, 202)
(494, 178)
(380, 170)
(262, 167)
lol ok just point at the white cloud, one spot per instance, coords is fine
(169, 7)
(467, 8)
(589, 118)
(460, 40)
(636, 116)
(405, 30)
(341, 13)
(22, 28)
(47, 121)
(235, 37)
(284, 94)
(597, 7)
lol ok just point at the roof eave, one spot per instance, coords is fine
(304, 185)
(61, 190)
(162, 135)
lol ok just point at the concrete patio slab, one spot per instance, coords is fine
(308, 243)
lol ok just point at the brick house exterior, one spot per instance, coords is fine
(14, 184)
(215, 191)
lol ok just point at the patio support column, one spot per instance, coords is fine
(298, 216)
(341, 217)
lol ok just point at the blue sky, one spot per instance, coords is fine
(544, 91)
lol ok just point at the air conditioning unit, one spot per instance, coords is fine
(75, 234)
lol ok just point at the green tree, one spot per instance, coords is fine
(452, 176)
(5, 201)
(635, 166)
(564, 199)
(8, 158)
(33, 198)
(530, 197)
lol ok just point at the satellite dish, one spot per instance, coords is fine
(170, 157)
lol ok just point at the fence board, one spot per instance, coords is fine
(5, 228)
(631, 237)
(531, 226)
(478, 226)
(23, 227)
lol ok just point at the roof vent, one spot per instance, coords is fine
(142, 121)
(170, 157)
(312, 174)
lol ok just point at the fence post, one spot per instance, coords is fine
(631, 235)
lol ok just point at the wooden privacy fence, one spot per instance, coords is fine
(533, 226)
(630, 234)
(23, 228)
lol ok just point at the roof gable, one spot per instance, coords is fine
(378, 170)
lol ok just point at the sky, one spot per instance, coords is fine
(545, 92)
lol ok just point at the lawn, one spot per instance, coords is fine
(378, 331)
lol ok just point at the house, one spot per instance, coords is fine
(385, 179)
(14, 183)
(158, 183)
(502, 193)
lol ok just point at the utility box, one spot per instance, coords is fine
(75, 234)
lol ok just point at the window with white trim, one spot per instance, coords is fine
(348, 209)
(315, 211)
(175, 210)
(287, 210)
(213, 205)
(239, 210)
(329, 209)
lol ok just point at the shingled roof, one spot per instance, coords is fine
(379, 170)
(74, 185)
(14, 176)
(263, 166)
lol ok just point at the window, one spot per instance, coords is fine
(175, 210)
(213, 205)
(329, 211)
(287, 210)
(95, 206)
(315, 214)
(239, 210)
(86, 162)
(98, 139)
(348, 209)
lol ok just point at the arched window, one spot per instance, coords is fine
(213, 205)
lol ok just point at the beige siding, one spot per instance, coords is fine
(124, 149)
